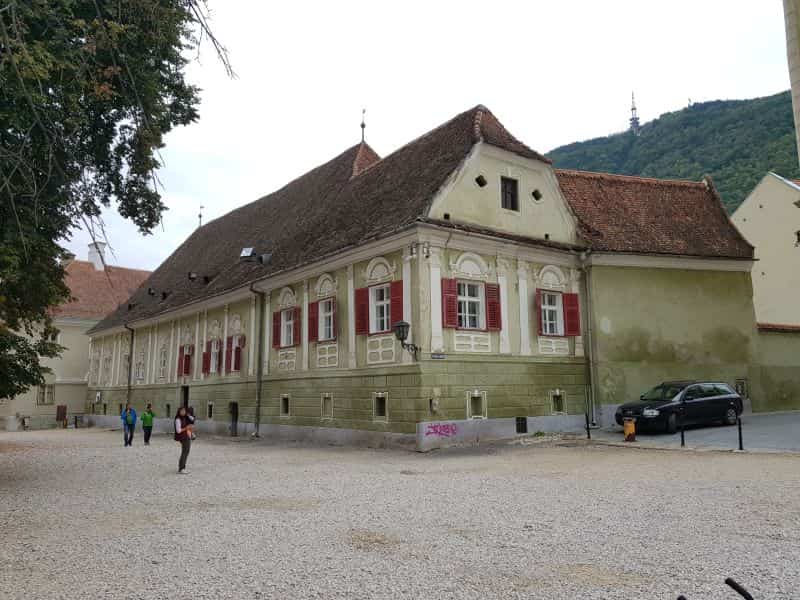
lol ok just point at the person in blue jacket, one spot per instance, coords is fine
(128, 417)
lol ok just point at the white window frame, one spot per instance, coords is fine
(373, 308)
(326, 310)
(213, 356)
(46, 394)
(162, 363)
(288, 399)
(484, 402)
(139, 371)
(329, 397)
(553, 394)
(235, 341)
(385, 397)
(464, 300)
(552, 315)
(287, 328)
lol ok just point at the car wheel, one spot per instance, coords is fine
(731, 416)
(672, 423)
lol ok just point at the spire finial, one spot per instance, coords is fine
(363, 123)
(635, 126)
(200, 217)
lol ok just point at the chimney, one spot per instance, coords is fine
(66, 259)
(97, 254)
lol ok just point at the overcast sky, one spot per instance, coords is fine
(552, 72)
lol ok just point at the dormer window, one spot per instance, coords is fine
(509, 198)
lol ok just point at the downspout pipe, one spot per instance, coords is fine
(586, 271)
(130, 363)
(259, 357)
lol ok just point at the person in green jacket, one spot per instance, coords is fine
(147, 423)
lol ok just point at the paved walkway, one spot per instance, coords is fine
(764, 431)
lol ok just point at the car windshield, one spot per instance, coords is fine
(664, 391)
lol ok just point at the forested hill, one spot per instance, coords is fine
(734, 141)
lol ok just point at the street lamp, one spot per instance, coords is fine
(401, 333)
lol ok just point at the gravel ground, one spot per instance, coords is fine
(83, 517)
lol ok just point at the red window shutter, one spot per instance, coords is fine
(313, 322)
(572, 314)
(395, 303)
(187, 360)
(180, 361)
(450, 303)
(228, 353)
(297, 326)
(494, 321)
(237, 359)
(276, 329)
(538, 306)
(207, 359)
(362, 311)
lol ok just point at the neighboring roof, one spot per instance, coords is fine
(619, 213)
(345, 202)
(778, 328)
(97, 293)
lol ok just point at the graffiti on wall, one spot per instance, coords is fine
(441, 429)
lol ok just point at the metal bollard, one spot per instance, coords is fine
(739, 426)
(588, 430)
(683, 437)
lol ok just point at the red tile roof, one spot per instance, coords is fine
(97, 293)
(778, 328)
(619, 213)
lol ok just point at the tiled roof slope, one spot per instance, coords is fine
(97, 293)
(351, 199)
(618, 213)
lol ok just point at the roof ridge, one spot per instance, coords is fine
(477, 122)
(107, 266)
(605, 175)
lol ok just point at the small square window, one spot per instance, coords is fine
(508, 193)
(285, 405)
(558, 403)
(476, 404)
(380, 406)
(327, 406)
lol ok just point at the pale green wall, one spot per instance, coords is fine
(653, 325)
(465, 201)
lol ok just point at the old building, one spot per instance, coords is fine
(96, 290)
(770, 219)
(533, 295)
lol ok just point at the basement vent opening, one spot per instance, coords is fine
(522, 425)
(446, 216)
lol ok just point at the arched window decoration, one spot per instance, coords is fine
(470, 266)
(236, 324)
(326, 286)
(552, 278)
(379, 270)
(287, 299)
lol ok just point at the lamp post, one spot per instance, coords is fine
(401, 333)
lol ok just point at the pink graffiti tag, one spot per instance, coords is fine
(441, 429)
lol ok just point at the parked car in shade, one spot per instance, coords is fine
(696, 402)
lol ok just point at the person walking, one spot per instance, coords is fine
(183, 421)
(147, 423)
(128, 418)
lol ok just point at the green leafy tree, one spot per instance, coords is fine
(734, 141)
(88, 89)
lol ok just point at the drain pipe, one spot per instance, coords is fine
(586, 270)
(130, 363)
(259, 357)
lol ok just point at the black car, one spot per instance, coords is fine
(696, 402)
